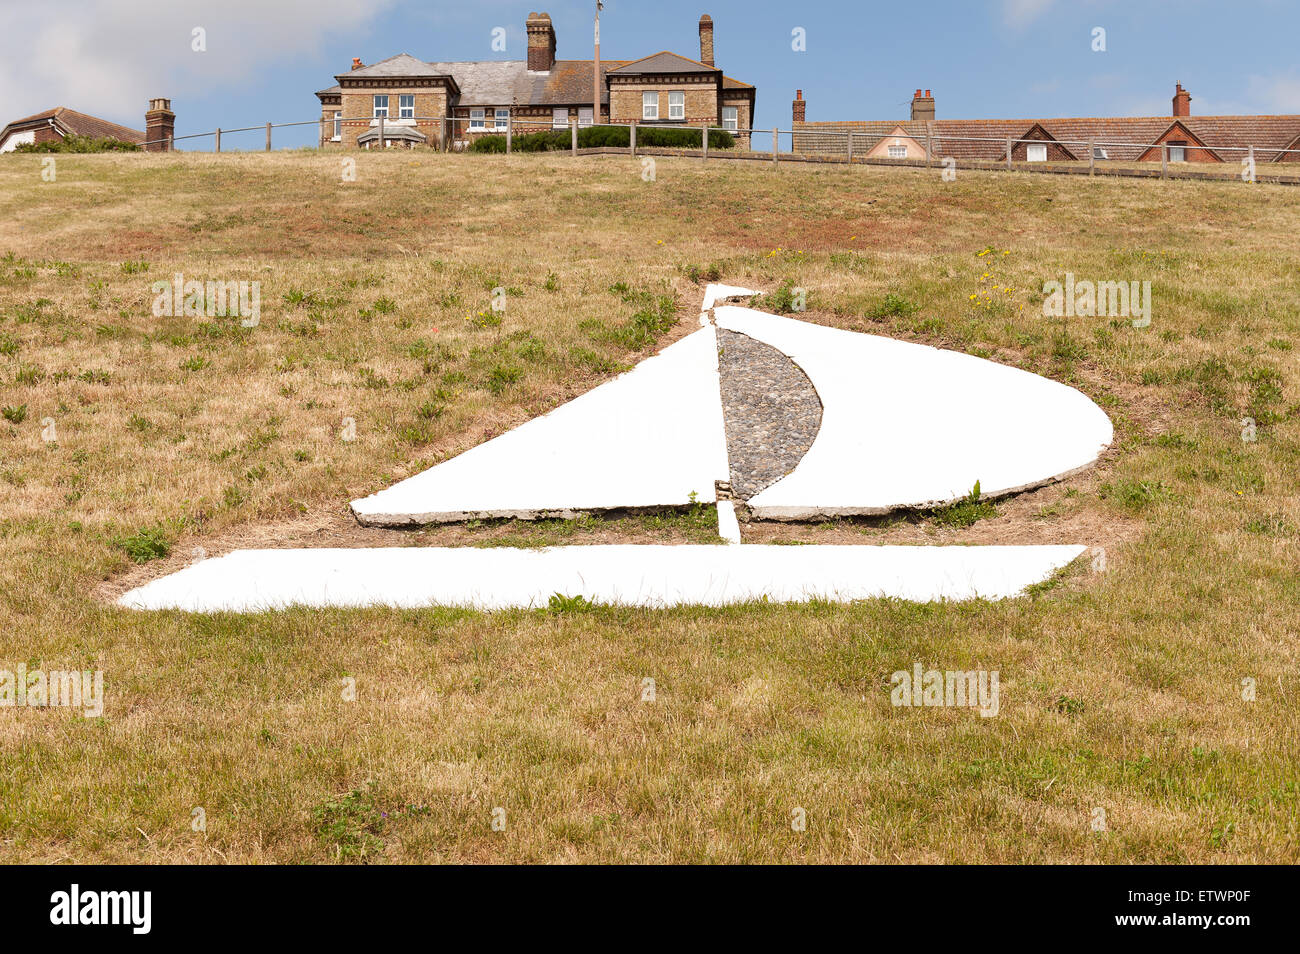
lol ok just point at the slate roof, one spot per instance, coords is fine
(80, 124)
(986, 138)
(664, 62)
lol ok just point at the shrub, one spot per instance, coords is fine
(595, 137)
(79, 144)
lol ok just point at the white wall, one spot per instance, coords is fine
(17, 139)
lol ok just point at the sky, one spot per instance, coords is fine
(861, 59)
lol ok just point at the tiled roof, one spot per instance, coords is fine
(729, 83)
(79, 124)
(403, 64)
(986, 138)
(664, 62)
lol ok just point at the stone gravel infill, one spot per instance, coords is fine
(771, 410)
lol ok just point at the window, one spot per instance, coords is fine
(338, 125)
(406, 106)
(730, 118)
(677, 105)
(649, 105)
(559, 117)
(584, 116)
(381, 106)
(476, 120)
(503, 117)
(1177, 150)
(1036, 152)
(1099, 153)
(897, 151)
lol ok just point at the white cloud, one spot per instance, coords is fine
(108, 57)
(1278, 93)
(1020, 13)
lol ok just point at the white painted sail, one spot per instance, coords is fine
(649, 438)
(907, 425)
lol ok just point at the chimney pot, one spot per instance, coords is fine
(800, 111)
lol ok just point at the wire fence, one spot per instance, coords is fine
(806, 144)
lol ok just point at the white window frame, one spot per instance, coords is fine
(1036, 149)
(381, 110)
(649, 104)
(501, 117)
(1177, 153)
(477, 119)
(897, 150)
(560, 117)
(338, 126)
(731, 118)
(404, 111)
(584, 116)
(676, 105)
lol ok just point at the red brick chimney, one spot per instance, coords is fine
(541, 43)
(800, 107)
(706, 40)
(922, 106)
(159, 126)
(356, 63)
(1182, 101)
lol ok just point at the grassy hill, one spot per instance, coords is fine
(1121, 687)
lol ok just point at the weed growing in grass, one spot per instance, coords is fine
(1134, 495)
(966, 511)
(892, 306)
(15, 415)
(8, 345)
(349, 826)
(560, 604)
(196, 363)
(786, 299)
(148, 543)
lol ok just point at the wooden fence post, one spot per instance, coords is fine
(218, 139)
(776, 144)
(1164, 161)
(573, 125)
(268, 137)
(704, 141)
(929, 147)
(1008, 152)
(1092, 157)
(631, 138)
(510, 131)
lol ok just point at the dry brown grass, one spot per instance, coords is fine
(1120, 690)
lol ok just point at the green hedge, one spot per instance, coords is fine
(594, 137)
(79, 144)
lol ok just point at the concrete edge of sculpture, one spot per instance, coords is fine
(652, 437)
(923, 446)
(651, 576)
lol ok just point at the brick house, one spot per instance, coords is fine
(447, 104)
(59, 123)
(1190, 138)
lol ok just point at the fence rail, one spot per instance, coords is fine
(820, 144)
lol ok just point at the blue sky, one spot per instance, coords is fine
(1000, 58)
